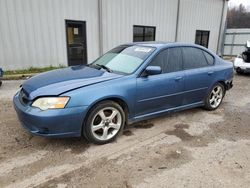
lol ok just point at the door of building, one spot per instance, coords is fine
(76, 42)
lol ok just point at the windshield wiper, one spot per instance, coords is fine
(104, 67)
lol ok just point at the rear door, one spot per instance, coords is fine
(199, 71)
(161, 92)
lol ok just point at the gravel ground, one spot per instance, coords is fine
(193, 148)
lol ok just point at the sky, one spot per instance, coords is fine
(246, 3)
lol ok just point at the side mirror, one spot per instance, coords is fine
(153, 70)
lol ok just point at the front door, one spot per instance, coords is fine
(76, 42)
(159, 93)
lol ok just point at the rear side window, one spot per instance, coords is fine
(193, 58)
(209, 58)
(170, 60)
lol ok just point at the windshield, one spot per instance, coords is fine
(124, 59)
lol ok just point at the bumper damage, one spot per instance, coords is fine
(65, 122)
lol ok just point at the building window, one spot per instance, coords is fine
(144, 33)
(202, 38)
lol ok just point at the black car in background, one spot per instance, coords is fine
(1, 75)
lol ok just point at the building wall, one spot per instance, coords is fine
(119, 16)
(32, 32)
(235, 41)
(200, 15)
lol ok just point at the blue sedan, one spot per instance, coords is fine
(130, 83)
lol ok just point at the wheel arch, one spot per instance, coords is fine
(117, 99)
(222, 82)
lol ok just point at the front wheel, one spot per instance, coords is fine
(239, 70)
(104, 122)
(215, 97)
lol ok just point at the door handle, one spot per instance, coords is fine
(210, 72)
(178, 78)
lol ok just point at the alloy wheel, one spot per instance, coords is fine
(106, 123)
(216, 96)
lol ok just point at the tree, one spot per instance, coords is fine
(238, 17)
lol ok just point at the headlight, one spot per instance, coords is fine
(46, 103)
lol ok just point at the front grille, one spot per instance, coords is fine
(23, 97)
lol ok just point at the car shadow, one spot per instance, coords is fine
(150, 123)
(74, 145)
(79, 145)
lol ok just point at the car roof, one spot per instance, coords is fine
(159, 44)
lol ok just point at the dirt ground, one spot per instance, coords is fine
(193, 148)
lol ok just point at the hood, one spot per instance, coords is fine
(56, 82)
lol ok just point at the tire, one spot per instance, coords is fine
(215, 97)
(239, 71)
(104, 122)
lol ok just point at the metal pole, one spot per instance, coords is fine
(223, 40)
(233, 41)
(220, 30)
(177, 21)
(100, 25)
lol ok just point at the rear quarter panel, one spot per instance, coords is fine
(223, 71)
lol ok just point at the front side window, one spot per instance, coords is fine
(174, 60)
(124, 59)
(143, 33)
(193, 58)
(170, 60)
(159, 59)
(202, 38)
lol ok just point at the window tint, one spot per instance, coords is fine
(174, 60)
(202, 38)
(169, 60)
(160, 59)
(193, 58)
(143, 33)
(210, 58)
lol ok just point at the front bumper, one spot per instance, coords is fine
(65, 122)
(243, 68)
(242, 65)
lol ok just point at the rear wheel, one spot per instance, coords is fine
(215, 97)
(104, 122)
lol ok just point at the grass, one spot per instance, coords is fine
(31, 70)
